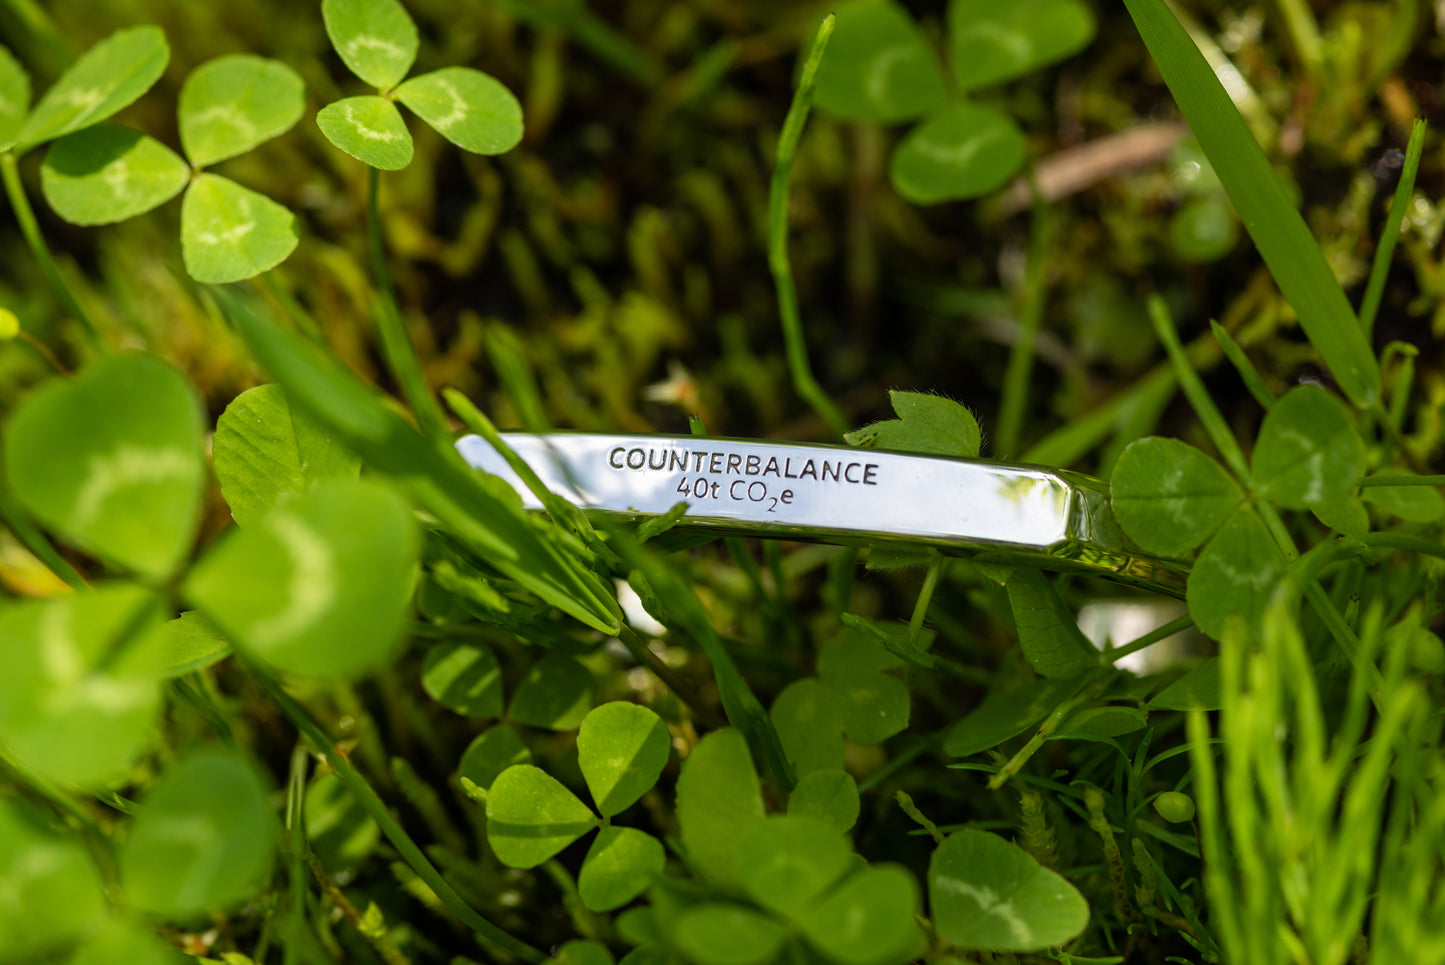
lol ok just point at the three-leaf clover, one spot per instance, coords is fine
(880, 68)
(622, 749)
(105, 174)
(377, 40)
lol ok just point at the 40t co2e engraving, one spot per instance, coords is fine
(1027, 515)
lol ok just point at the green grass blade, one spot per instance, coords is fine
(1293, 257)
(1381, 268)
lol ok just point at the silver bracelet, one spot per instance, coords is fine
(992, 512)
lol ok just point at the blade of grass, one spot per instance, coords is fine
(1285, 243)
(1021, 356)
(796, 344)
(1375, 289)
(1247, 372)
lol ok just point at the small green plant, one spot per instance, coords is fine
(365, 707)
(881, 69)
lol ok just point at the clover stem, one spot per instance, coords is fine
(925, 596)
(400, 354)
(795, 343)
(30, 228)
(390, 826)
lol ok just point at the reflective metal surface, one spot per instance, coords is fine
(838, 494)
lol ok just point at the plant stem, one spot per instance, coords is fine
(1047, 729)
(796, 344)
(1375, 289)
(400, 353)
(925, 596)
(1149, 639)
(395, 833)
(30, 228)
(1021, 356)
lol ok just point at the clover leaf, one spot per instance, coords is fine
(869, 919)
(828, 794)
(490, 753)
(204, 838)
(52, 889)
(127, 483)
(63, 712)
(718, 799)
(531, 816)
(963, 151)
(14, 98)
(228, 106)
(556, 693)
(619, 866)
(1170, 497)
(1309, 452)
(987, 893)
(106, 78)
(878, 66)
(1234, 574)
(466, 679)
(622, 749)
(377, 40)
(319, 585)
(788, 861)
(989, 42)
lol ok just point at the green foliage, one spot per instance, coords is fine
(531, 816)
(557, 693)
(718, 800)
(881, 68)
(53, 892)
(1308, 453)
(106, 78)
(106, 174)
(204, 838)
(231, 233)
(264, 453)
(987, 893)
(127, 484)
(466, 679)
(925, 423)
(828, 794)
(14, 98)
(1169, 496)
(235, 103)
(319, 585)
(377, 40)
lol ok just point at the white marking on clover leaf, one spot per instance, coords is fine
(876, 83)
(958, 155)
(228, 237)
(226, 115)
(372, 43)
(59, 655)
(458, 109)
(990, 904)
(99, 692)
(85, 98)
(1016, 44)
(127, 466)
(117, 179)
(371, 134)
(312, 585)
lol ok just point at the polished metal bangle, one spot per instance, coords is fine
(992, 512)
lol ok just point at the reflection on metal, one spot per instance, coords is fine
(1027, 515)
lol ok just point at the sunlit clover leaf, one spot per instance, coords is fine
(376, 39)
(990, 42)
(51, 891)
(1170, 497)
(463, 678)
(619, 866)
(925, 423)
(809, 717)
(987, 893)
(556, 694)
(828, 794)
(473, 110)
(180, 646)
(963, 151)
(14, 98)
(1049, 633)
(60, 713)
(870, 919)
(490, 753)
(106, 174)
(370, 129)
(718, 799)
(1235, 573)
(234, 103)
(106, 78)
(580, 952)
(203, 838)
(230, 233)
(320, 585)
(265, 451)
(127, 481)
(717, 933)
(531, 816)
(787, 861)
(1309, 452)
(622, 749)
(879, 66)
